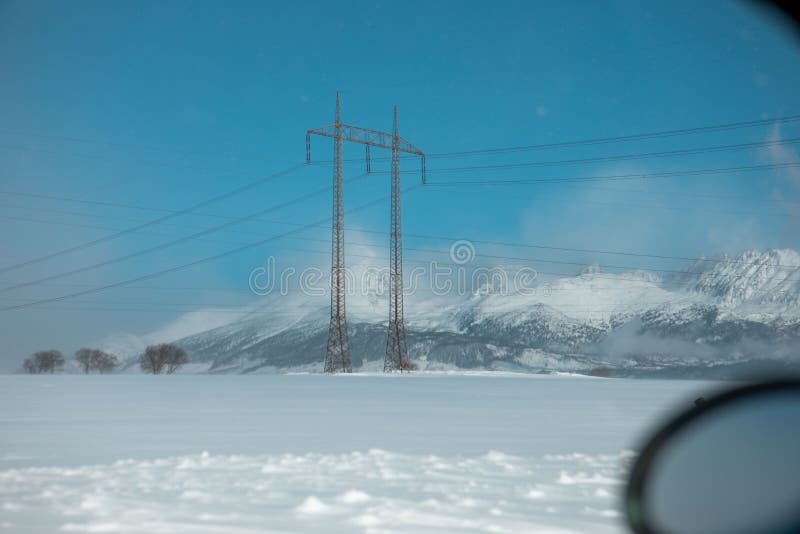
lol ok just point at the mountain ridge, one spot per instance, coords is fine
(721, 311)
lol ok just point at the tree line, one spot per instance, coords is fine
(165, 358)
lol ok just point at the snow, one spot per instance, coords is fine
(568, 324)
(592, 296)
(367, 453)
(752, 283)
(374, 491)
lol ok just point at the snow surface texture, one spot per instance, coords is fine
(490, 452)
(725, 317)
(369, 492)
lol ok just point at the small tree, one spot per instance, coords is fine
(106, 363)
(84, 358)
(177, 359)
(45, 361)
(30, 366)
(50, 361)
(94, 359)
(152, 360)
(165, 357)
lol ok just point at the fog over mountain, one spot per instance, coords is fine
(719, 317)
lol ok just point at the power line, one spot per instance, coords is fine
(541, 290)
(419, 249)
(686, 172)
(147, 224)
(237, 289)
(102, 203)
(105, 218)
(174, 242)
(586, 202)
(49, 153)
(192, 263)
(295, 316)
(600, 140)
(490, 151)
(524, 259)
(155, 288)
(115, 144)
(622, 157)
(124, 219)
(685, 194)
(618, 177)
(143, 303)
(150, 309)
(236, 308)
(615, 139)
(480, 151)
(689, 209)
(546, 288)
(420, 236)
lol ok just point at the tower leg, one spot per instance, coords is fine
(396, 358)
(337, 355)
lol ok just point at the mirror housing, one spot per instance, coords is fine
(730, 464)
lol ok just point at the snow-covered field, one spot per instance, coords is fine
(310, 453)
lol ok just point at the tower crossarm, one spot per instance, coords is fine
(366, 137)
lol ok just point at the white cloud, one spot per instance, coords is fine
(787, 192)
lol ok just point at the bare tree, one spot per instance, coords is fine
(177, 359)
(45, 361)
(163, 358)
(94, 359)
(50, 361)
(152, 360)
(106, 363)
(85, 358)
(30, 366)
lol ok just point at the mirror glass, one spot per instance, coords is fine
(735, 469)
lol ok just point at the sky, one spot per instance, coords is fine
(160, 106)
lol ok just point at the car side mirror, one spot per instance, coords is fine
(730, 465)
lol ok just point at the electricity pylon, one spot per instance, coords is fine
(337, 355)
(396, 358)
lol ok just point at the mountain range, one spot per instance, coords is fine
(719, 317)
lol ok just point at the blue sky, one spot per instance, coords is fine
(167, 104)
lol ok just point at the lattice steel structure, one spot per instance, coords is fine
(337, 355)
(396, 358)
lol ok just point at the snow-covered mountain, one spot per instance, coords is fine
(721, 316)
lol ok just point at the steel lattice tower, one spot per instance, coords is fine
(396, 358)
(337, 355)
